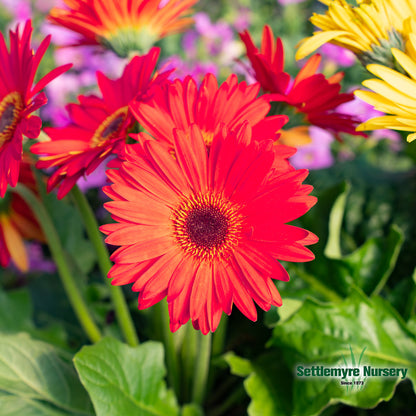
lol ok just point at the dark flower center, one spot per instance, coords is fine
(206, 226)
(10, 108)
(110, 128)
(7, 118)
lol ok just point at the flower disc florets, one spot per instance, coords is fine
(207, 226)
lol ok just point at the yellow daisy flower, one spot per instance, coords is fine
(394, 94)
(370, 29)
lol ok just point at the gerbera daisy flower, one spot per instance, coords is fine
(370, 29)
(207, 227)
(98, 126)
(393, 94)
(125, 26)
(17, 223)
(19, 98)
(182, 103)
(310, 93)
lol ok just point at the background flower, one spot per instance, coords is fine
(19, 98)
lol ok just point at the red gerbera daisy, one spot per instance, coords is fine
(181, 103)
(310, 93)
(207, 227)
(19, 98)
(17, 223)
(124, 25)
(98, 125)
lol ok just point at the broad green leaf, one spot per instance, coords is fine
(367, 268)
(281, 313)
(16, 316)
(15, 311)
(123, 380)
(12, 405)
(370, 265)
(33, 371)
(322, 334)
(268, 383)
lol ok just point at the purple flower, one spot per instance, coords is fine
(317, 154)
(338, 55)
(37, 261)
(286, 2)
(21, 10)
(97, 179)
(195, 69)
(243, 20)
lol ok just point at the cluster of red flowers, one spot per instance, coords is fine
(310, 93)
(201, 201)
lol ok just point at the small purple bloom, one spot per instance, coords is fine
(97, 179)
(338, 55)
(317, 154)
(195, 69)
(243, 20)
(37, 261)
(286, 2)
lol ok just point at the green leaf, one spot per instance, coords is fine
(333, 244)
(192, 410)
(16, 316)
(15, 311)
(267, 383)
(12, 405)
(122, 380)
(370, 265)
(363, 331)
(32, 371)
(321, 334)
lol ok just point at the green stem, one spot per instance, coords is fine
(218, 338)
(122, 311)
(58, 254)
(171, 356)
(188, 359)
(329, 294)
(201, 368)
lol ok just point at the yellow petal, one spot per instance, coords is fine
(384, 122)
(380, 87)
(411, 137)
(14, 243)
(309, 45)
(397, 80)
(383, 104)
(408, 64)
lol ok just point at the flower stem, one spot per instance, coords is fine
(58, 254)
(168, 341)
(122, 311)
(218, 338)
(201, 368)
(188, 360)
